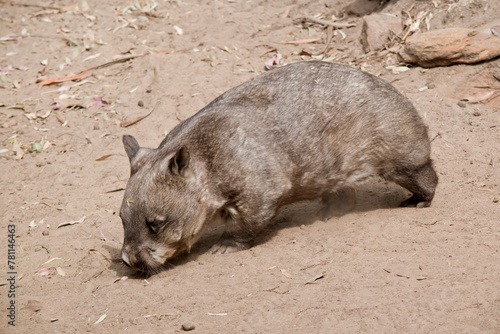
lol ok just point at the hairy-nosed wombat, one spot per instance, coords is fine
(298, 132)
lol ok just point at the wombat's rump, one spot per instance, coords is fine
(298, 132)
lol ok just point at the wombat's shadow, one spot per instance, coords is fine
(372, 195)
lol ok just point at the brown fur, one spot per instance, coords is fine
(299, 132)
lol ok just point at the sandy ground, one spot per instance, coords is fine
(383, 269)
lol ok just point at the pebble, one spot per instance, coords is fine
(461, 104)
(140, 103)
(187, 326)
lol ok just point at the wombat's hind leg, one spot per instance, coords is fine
(421, 181)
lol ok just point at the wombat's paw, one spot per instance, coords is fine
(228, 246)
(414, 203)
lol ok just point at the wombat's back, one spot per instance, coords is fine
(317, 120)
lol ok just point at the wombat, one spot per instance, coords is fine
(299, 132)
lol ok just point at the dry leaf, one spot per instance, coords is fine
(44, 272)
(178, 30)
(398, 69)
(100, 319)
(98, 102)
(315, 278)
(481, 97)
(53, 259)
(104, 157)
(91, 57)
(50, 81)
(81, 220)
(286, 274)
(46, 145)
(60, 271)
(275, 60)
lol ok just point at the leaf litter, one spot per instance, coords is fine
(73, 222)
(50, 81)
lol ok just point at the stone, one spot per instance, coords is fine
(377, 30)
(188, 326)
(363, 7)
(449, 46)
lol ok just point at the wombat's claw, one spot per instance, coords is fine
(225, 247)
(414, 203)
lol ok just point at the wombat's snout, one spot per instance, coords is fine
(143, 259)
(139, 262)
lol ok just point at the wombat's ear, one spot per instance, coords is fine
(131, 146)
(179, 163)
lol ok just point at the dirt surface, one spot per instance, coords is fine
(378, 269)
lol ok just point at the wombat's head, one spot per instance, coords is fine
(162, 211)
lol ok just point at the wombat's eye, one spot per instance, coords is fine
(155, 225)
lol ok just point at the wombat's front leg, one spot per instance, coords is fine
(240, 233)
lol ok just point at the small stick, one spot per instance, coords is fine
(488, 87)
(329, 37)
(140, 118)
(50, 81)
(37, 6)
(437, 135)
(337, 25)
(95, 275)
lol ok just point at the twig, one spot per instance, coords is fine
(33, 5)
(278, 292)
(437, 135)
(337, 25)
(488, 87)
(117, 61)
(135, 120)
(301, 41)
(99, 253)
(50, 205)
(114, 190)
(97, 274)
(316, 264)
(50, 81)
(44, 247)
(329, 38)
